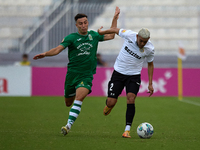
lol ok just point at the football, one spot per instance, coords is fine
(145, 130)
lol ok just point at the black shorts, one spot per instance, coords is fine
(119, 81)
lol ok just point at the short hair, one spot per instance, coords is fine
(78, 16)
(144, 33)
(25, 55)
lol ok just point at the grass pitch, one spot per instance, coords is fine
(33, 123)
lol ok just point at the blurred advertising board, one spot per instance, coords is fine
(50, 82)
(15, 81)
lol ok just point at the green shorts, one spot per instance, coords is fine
(75, 80)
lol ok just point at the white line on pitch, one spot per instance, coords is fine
(190, 102)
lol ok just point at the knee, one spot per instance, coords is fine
(68, 104)
(111, 102)
(131, 98)
(69, 101)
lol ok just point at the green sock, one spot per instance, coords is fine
(74, 112)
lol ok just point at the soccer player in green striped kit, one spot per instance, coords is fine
(82, 48)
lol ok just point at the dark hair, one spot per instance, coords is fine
(25, 55)
(78, 16)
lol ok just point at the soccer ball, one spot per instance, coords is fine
(145, 130)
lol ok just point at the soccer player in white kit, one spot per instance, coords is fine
(127, 69)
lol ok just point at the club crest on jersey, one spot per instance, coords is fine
(90, 37)
(142, 50)
(123, 31)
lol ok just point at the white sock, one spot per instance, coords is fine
(128, 128)
(74, 112)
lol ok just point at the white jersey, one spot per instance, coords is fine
(131, 57)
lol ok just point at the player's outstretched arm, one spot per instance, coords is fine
(110, 36)
(52, 52)
(150, 74)
(115, 18)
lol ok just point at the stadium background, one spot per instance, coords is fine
(31, 120)
(36, 26)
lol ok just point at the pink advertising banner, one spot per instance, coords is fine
(50, 82)
(164, 82)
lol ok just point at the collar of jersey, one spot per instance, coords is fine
(136, 40)
(137, 43)
(81, 34)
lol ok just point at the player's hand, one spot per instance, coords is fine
(100, 31)
(150, 87)
(39, 56)
(117, 12)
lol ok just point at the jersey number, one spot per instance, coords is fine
(111, 86)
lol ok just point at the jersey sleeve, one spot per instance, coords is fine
(97, 36)
(66, 41)
(150, 57)
(101, 37)
(126, 34)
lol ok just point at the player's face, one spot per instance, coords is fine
(82, 25)
(24, 59)
(141, 41)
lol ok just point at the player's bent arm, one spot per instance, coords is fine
(113, 25)
(109, 31)
(51, 52)
(109, 37)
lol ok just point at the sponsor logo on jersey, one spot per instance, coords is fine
(84, 53)
(130, 41)
(132, 53)
(84, 44)
(84, 48)
(123, 31)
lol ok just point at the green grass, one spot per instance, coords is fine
(33, 123)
